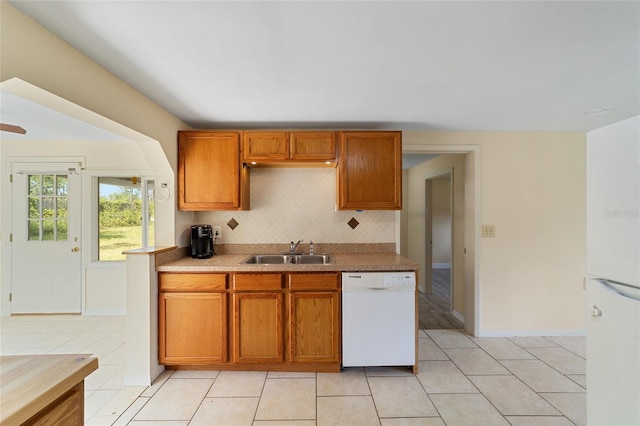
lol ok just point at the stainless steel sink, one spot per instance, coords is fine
(299, 259)
(266, 259)
(311, 259)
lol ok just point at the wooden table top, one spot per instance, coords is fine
(28, 383)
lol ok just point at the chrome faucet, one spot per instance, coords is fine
(311, 247)
(294, 246)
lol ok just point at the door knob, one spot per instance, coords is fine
(595, 311)
(75, 249)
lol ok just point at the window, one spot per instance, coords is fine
(48, 201)
(125, 216)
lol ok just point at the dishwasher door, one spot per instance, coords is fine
(378, 319)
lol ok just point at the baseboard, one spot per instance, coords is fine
(137, 380)
(441, 266)
(531, 333)
(457, 315)
(105, 312)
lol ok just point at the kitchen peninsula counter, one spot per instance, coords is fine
(341, 262)
(44, 388)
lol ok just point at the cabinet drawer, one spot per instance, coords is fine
(193, 282)
(257, 282)
(312, 281)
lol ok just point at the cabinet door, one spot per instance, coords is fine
(258, 327)
(370, 171)
(313, 146)
(193, 328)
(314, 327)
(210, 176)
(265, 146)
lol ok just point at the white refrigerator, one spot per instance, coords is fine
(613, 274)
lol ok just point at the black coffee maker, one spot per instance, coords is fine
(201, 241)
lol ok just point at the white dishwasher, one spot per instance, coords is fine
(378, 319)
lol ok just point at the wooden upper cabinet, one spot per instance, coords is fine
(265, 146)
(283, 147)
(210, 172)
(313, 146)
(370, 171)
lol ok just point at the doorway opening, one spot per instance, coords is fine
(436, 301)
(464, 275)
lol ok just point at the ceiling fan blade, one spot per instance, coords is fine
(11, 128)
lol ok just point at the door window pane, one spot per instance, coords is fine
(48, 230)
(47, 201)
(34, 230)
(62, 185)
(61, 226)
(34, 185)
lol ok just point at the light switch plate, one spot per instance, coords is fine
(488, 231)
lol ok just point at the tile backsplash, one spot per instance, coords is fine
(299, 203)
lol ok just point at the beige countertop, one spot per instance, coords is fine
(341, 262)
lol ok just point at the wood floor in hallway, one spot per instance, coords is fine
(434, 308)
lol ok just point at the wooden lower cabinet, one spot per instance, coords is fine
(67, 410)
(193, 328)
(258, 327)
(313, 326)
(265, 321)
(192, 319)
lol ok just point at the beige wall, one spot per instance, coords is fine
(532, 189)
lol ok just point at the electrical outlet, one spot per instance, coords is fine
(488, 231)
(217, 232)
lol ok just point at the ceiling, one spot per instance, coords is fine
(422, 65)
(47, 124)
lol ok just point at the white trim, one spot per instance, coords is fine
(532, 333)
(141, 379)
(97, 312)
(441, 266)
(457, 315)
(464, 149)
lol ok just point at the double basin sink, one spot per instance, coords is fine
(298, 259)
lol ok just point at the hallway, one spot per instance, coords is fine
(434, 308)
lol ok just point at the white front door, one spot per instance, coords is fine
(46, 261)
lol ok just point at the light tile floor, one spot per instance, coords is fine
(462, 381)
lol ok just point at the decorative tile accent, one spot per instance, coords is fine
(353, 223)
(233, 224)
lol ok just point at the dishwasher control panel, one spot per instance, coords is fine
(395, 280)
